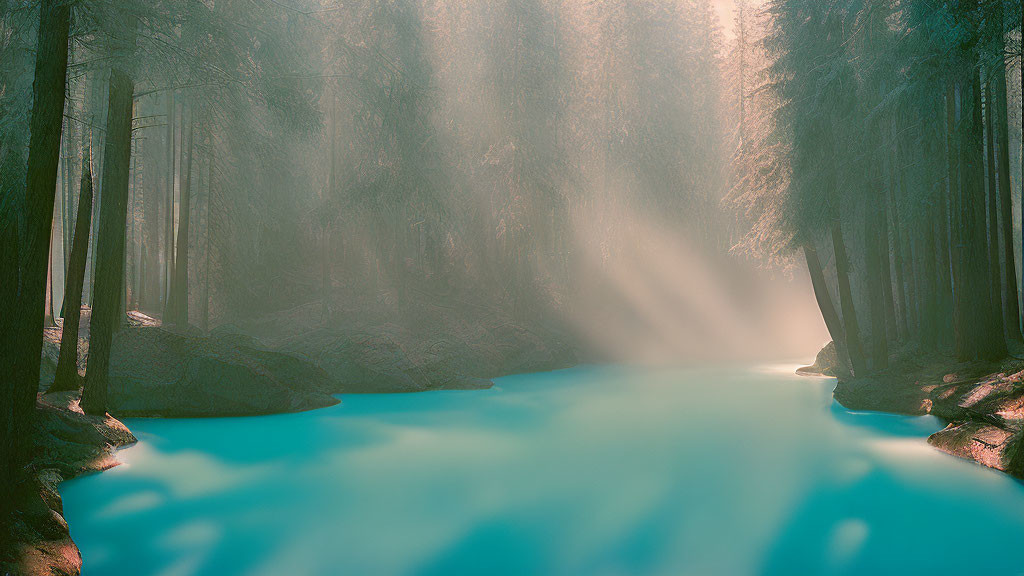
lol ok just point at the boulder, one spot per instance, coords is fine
(826, 363)
(983, 443)
(164, 373)
(390, 358)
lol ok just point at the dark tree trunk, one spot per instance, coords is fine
(168, 263)
(903, 324)
(886, 270)
(961, 304)
(929, 282)
(48, 91)
(876, 294)
(8, 295)
(984, 341)
(66, 377)
(106, 316)
(1002, 122)
(205, 312)
(825, 303)
(995, 283)
(944, 274)
(850, 326)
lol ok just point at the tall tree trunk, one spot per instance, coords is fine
(106, 316)
(825, 303)
(929, 282)
(995, 283)
(48, 92)
(876, 294)
(886, 269)
(205, 313)
(9, 436)
(1002, 132)
(177, 307)
(903, 325)
(168, 206)
(983, 340)
(66, 377)
(850, 326)
(944, 273)
(958, 257)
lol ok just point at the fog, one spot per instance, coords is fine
(557, 163)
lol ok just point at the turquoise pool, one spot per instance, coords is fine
(589, 471)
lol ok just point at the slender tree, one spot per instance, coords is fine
(66, 377)
(107, 313)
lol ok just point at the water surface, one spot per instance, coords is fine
(590, 471)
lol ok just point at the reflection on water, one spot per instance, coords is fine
(590, 471)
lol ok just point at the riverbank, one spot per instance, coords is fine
(981, 402)
(238, 370)
(66, 444)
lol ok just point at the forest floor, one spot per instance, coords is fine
(288, 361)
(982, 403)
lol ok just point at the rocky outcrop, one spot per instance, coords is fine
(983, 403)
(826, 363)
(393, 359)
(67, 443)
(164, 373)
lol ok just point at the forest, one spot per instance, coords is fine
(251, 207)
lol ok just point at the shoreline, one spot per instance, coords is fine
(160, 370)
(980, 403)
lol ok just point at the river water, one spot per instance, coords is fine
(590, 471)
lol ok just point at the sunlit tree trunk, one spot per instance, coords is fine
(107, 314)
(168, 240)
(66, 377)
(205, 313)
(176, 311)
(876, 294)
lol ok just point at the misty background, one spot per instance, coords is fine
(427, 162)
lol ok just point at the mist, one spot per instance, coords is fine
(510, 286)
(564, 162)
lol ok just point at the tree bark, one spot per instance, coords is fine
(961, 336)
(903, 326)
(929, 282)
(177, 301)
(984, 342)
(886, 270)
(995, 283)
(9, 439)
(106, 315)
(825, 302)
(48, 91)
(66, 377)
(876, 294)
(1001, 107)
(165, 287)
(850, 326)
